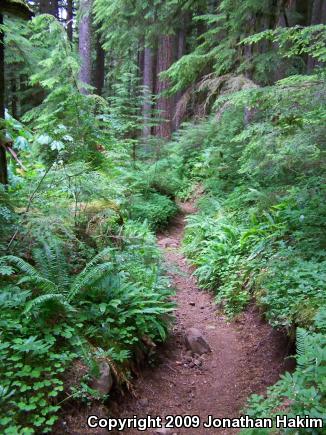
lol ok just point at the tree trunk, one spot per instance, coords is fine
(323, 12)
(182, 40)
(55, 8)
(165, 56)
(302, 8)
(85, 74)
(100, 67)
(70, 18)
(181, 50)
(140, 58)
(14, 99)
(45, 7)
(316, 16)
(3, 157)
(49, 7)
(148, 82)
(272, 19)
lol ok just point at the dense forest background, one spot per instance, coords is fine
(112, 110)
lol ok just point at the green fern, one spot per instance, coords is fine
(31, 274)
(302, 344)
(38, 302)
(89, 276)
(52, 263)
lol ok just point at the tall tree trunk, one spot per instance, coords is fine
(323, 12)
(99, 67)
(140, 57)
(45, 7)
(285, 7)
(14, 99)
(3, 158)
(148, 83)
(49, 7)
(268, 21)
(316, 18)
(181, 50)
(165, 57)
(272, 19)
(302, 8)
(70, 19)
(55, 8)
(85, 74)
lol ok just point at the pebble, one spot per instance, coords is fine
(143, 402)
(163, 431)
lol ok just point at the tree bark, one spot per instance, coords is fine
(14, 99)
(140, 58)
(49, 7)
(302, 8)
(70, 19)
(99, 67)
(55, 8)
(148, 83)
(85, 74)
(182, 40)
(45, 7)
(165, 57)
(323, 12)
(316, 17)
(3, 157)
(181, 50)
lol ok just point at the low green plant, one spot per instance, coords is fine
(299, 393)
(157, 209)
(52, 317)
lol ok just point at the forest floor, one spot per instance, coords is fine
(246, 356)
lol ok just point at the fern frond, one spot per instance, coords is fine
(52, 262)
(32, 274)
(46, 298)
(87, 277)
(99, 257)
(301, 341)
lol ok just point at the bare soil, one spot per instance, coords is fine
(247, 355)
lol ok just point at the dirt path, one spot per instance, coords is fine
(247, 355)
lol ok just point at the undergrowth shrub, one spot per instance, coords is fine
(51, 317)
(165, 176)
(211, 244)
(153, 207)
(301, 393)
(291, 289)
(260, 230)
(8, 217)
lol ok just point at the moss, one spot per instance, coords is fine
(18, 8)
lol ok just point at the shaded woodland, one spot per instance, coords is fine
(111, 113)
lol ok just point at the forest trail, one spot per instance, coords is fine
(247, 355)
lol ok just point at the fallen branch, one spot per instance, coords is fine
(14, 155)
